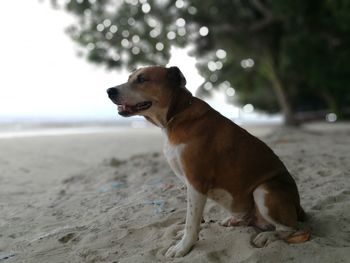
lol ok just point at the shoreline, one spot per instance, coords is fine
(62, 131)
(11, 130)
(38, 129)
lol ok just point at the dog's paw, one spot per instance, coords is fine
(225, 222)
(179, 250)
(265, 238)
(180, 234)
(230, 221)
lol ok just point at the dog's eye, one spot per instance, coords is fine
(141, 79)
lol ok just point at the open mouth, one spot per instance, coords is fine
(127, 110)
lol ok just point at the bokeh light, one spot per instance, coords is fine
(125, 33)
(219, 65)
(192, 10)
(331, 117)
(131, 21)
(113, 29)
(115, 57)
(146, 8)
(154, 32)
(90, 46)
(107, 22)
(159, 46)
(181, 31)
(247, 63)
(230, 91)
(220, 54)
(125, 43)
(109, 35)
(100, 27)
(212, 66)
(208, 86)
(135, 39)
(135, 50)
(213, 78)
(171, 35)
(179, 4)
(204, 31)
(180, 22)
(248, 108)
(152, 22)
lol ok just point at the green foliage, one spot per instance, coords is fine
(305, 42)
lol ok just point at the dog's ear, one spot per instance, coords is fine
(175, 77)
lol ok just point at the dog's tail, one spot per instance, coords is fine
(300, 236)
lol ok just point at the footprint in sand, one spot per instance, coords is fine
(116, 162)
(67, 237)
(331, 200)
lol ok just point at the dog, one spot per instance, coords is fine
(215, 158)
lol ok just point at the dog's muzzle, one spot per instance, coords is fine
(125, 109)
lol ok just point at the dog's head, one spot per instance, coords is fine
(148, 92)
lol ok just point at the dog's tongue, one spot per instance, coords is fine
(130, 109)
(124, 109)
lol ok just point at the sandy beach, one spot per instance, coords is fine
(111, 197)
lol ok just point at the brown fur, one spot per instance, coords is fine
(230, 159)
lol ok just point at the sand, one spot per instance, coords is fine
(111, 197)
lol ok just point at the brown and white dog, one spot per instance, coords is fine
(215, 158)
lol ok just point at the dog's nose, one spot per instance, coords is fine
(112, 92)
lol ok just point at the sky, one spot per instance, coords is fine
(42, 77)
(41, 74)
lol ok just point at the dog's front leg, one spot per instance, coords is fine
(195, 205)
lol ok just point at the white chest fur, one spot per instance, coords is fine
(173, 156)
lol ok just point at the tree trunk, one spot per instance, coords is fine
(282, 96)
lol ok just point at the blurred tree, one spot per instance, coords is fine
(278, 55)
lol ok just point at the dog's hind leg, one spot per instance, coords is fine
(278, 204)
